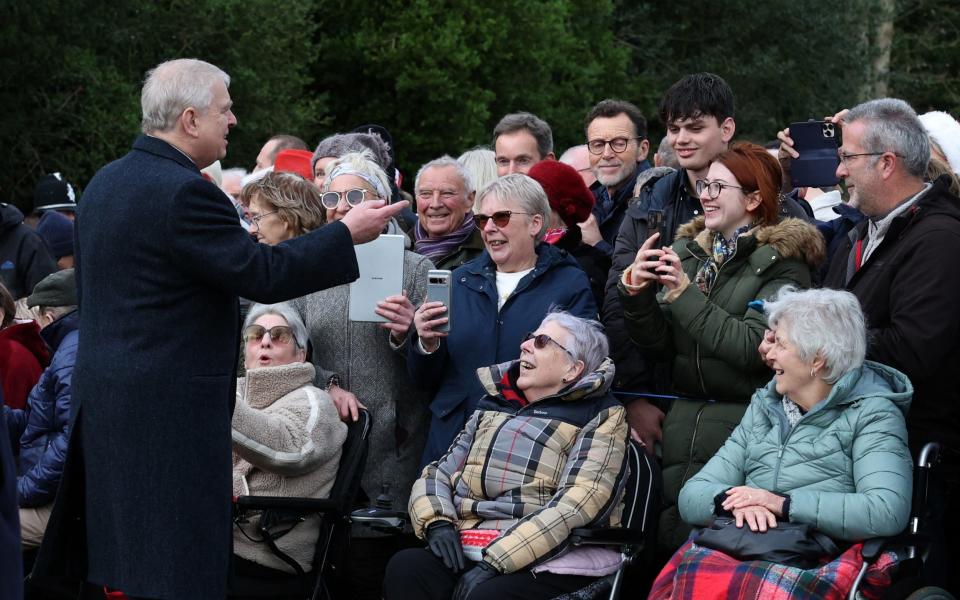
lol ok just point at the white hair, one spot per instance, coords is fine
(587, 341)
(287, 313)
(172, 87)
(825, 323)
(442, 162)
(362, 165)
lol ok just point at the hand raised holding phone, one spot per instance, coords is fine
(643, 271)
(432, 319)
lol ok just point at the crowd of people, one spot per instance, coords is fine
(783, 353)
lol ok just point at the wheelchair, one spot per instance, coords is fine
(334, 533)
(642, 499)
(912, 546)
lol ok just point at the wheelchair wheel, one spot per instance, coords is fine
(931, 593)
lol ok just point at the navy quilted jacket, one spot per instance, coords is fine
(43, 426)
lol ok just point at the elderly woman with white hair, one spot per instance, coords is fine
(543, 454)
(495, 299)
(824, 443)
(287, 436)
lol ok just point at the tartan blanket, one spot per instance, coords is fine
(701, 573)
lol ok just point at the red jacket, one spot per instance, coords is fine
(23, 357)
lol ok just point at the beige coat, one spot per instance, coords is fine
(287, 439)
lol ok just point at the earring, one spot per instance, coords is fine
(813, 373)
(564, 380)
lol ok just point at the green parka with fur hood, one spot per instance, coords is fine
(712, 340)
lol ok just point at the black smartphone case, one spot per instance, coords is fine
(817, 165)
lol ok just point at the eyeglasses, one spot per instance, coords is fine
(255, 221)
(540, 341)
(845, 158)
(713, 188)
(500, 218)
(617, 144)
(353, 197)
(280, 334)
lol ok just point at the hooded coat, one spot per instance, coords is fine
(845, 465)
(533, 472)
(23, 356)
(712, 341)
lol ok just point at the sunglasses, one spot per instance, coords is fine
(281, 334)
(353, 197)
(500, 218)
(540, 341)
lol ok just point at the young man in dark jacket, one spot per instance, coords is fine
(43, 427)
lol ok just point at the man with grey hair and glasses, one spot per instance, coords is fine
(161, 261)
(901, 263)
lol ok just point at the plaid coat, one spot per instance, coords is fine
(534, 471)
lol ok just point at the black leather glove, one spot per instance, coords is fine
(472, 578)
(444, 541)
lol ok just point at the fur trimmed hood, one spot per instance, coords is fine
(791, 238)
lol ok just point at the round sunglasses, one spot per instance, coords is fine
(353, 197)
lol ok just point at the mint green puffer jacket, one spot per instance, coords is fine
(845, 464)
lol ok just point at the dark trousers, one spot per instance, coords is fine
(417, 574)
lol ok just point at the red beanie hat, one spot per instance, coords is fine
(295, 161)
(566, 191)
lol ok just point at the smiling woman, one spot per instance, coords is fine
(496, 297)
(702, 321)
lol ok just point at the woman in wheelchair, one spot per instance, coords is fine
(824, 444)
(287, 438)
(542, 454)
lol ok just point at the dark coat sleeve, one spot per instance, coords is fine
(205, 239)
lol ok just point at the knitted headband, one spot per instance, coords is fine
(345, 169)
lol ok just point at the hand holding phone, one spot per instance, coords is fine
(438, 290)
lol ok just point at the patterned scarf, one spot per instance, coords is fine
(722, 251)
(436, 248)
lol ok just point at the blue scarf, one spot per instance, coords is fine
(723, 249)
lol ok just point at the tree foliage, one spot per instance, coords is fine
(439, 75)
(71, 70)
(785, 60)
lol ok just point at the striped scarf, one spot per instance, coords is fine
(722, 250)
(436, 248)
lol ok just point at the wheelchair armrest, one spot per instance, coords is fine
(612, 536)
(304, 505)
(381, 519)
(874, 547)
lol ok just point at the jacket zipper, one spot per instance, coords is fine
(693, 442)
(703, 384)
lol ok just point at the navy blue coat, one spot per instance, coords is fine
(161, 260)
(43, 427)
(11, 565)
(481, 336)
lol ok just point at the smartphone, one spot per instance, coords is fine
(438, 290)
(817, 142)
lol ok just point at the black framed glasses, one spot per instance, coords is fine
(255, 221)
(280, 334)
(540, 341)
(845, 158)
(617, 144)
(500, 218)
(353, 197)
(713, 188)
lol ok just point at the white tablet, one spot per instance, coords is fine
(381, 275)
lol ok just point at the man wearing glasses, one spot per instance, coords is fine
(617, 145)
(901, 263)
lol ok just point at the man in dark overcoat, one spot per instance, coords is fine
(160, 264)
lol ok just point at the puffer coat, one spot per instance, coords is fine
(534, 472)
(43, 427)
(845, 465)
(712, 339)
